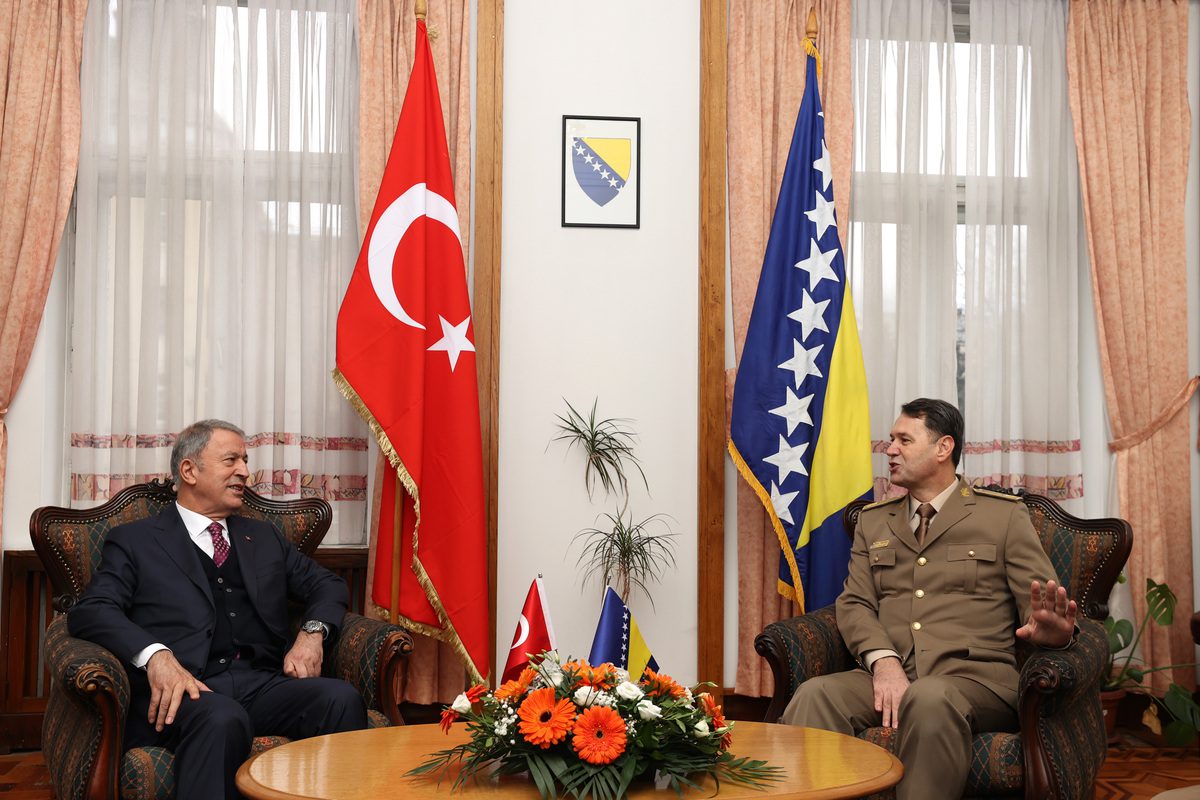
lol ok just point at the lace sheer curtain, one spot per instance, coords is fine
(216, 232)
(966, 229)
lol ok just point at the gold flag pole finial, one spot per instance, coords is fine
(422, 9)
(811, 30)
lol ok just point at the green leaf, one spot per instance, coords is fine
(1160, 602)
(1179, 703)
(1120, 634)
(1179, 733)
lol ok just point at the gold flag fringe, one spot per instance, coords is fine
(447, 633)
(795, 592)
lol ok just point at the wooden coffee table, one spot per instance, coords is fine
(362, 765)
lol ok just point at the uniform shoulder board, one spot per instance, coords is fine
(999, 495)
(884, 502)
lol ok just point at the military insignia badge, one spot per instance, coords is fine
(880, 543)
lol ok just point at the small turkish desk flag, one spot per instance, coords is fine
(534, 632)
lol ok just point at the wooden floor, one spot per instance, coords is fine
(1130, 773)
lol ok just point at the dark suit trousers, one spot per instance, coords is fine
(211, 736)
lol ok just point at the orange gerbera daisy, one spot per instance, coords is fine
(709, 705)
(543, 721)
(510, 689)
(475, 692)
(599, 735)
(660, 685)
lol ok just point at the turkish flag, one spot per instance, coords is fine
(534, 633)
(406, 361)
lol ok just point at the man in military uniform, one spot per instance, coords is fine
(940, 581)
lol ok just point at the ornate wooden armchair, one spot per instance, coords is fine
(1061, 743)
(84, 725)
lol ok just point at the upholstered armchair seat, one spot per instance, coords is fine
(1061, 743)
(84, 723)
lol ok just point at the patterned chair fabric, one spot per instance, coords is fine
(1061, 743)
(84, 723)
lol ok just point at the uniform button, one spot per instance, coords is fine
(971, 553)
(916, 626)
(876, 558)
(921, 561)
(920, 593)
(222, 661)
(228, 590)
(233, 613)
(220, 580)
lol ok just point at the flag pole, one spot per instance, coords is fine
(397, 511)
(811, 29)
(421, 9)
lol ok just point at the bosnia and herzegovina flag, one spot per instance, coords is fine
(800, 429)
(618, 640)
(601, 166)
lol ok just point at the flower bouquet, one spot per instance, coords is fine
(589, 731)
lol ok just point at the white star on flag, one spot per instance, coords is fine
(818, 265)
(454, 340)
(824, 166)
(810, 315)
(782, 503)
(822, 214)
(795, 410)
(803, 362)
(787, 460)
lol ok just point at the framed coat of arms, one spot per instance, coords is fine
(601, 172)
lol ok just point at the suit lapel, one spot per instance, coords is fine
(898, 523)
(958, 507)
(173, 538)
(242, 537)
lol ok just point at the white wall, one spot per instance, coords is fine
(598, 313)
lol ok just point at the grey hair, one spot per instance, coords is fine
(192, 440)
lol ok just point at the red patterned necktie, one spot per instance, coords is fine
(220, 546)
(925, 511)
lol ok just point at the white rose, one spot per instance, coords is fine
(648, 711)
(585, 696)
(700, 729)
(629, 691)
(461, 704)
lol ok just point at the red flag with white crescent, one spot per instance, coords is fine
(406, 361)
(534, 632)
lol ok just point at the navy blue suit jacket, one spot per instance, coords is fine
(150, 587)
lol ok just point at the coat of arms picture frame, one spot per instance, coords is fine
(601, 172)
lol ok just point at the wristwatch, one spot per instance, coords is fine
(316, 626)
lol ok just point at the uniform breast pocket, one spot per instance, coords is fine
(964, 561)
(883, 565)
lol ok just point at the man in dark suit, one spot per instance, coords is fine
(194, 602)
(941, 581)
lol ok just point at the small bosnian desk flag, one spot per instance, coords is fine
(534, 632)
(618, 640)
(406, 361)
(800, 430)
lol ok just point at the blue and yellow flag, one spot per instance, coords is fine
(618, 640)
(800, 430)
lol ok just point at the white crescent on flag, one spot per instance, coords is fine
(418, 201)
(522, 632)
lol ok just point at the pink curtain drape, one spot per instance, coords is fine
(1127, 69)
(40, 50)
(766, 83)
(387, 32)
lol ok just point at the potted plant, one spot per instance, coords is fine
(623, 553)
(1126, 673)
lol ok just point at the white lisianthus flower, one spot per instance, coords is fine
(700, 729)
(629, 691)
(461, 704)
(648, 711)
(585, 696)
